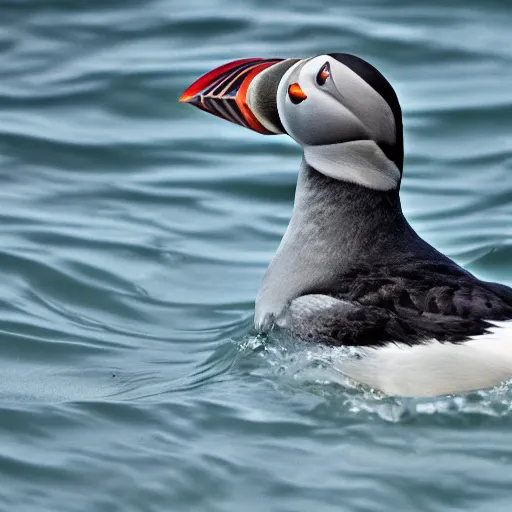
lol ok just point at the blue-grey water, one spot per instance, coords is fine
(134, 232)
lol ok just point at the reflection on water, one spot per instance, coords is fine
(135, 232)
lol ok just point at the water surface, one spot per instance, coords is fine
(135, 232)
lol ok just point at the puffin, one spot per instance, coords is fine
(350, 271)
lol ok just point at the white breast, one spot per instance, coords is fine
(434, 368)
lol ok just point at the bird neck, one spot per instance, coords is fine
(362, 162)
(335, 226)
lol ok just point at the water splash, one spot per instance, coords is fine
(313, 369)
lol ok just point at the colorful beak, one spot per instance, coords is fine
(223, 92)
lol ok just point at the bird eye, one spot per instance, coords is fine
(323, 74)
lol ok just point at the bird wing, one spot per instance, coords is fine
(409, 302)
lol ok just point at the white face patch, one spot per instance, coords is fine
(340, 109)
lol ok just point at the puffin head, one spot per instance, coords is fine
(337, 106)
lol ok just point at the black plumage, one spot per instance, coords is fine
(414, 301)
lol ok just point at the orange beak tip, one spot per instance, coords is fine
(184, 98)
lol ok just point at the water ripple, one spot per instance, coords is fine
(136, 231)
